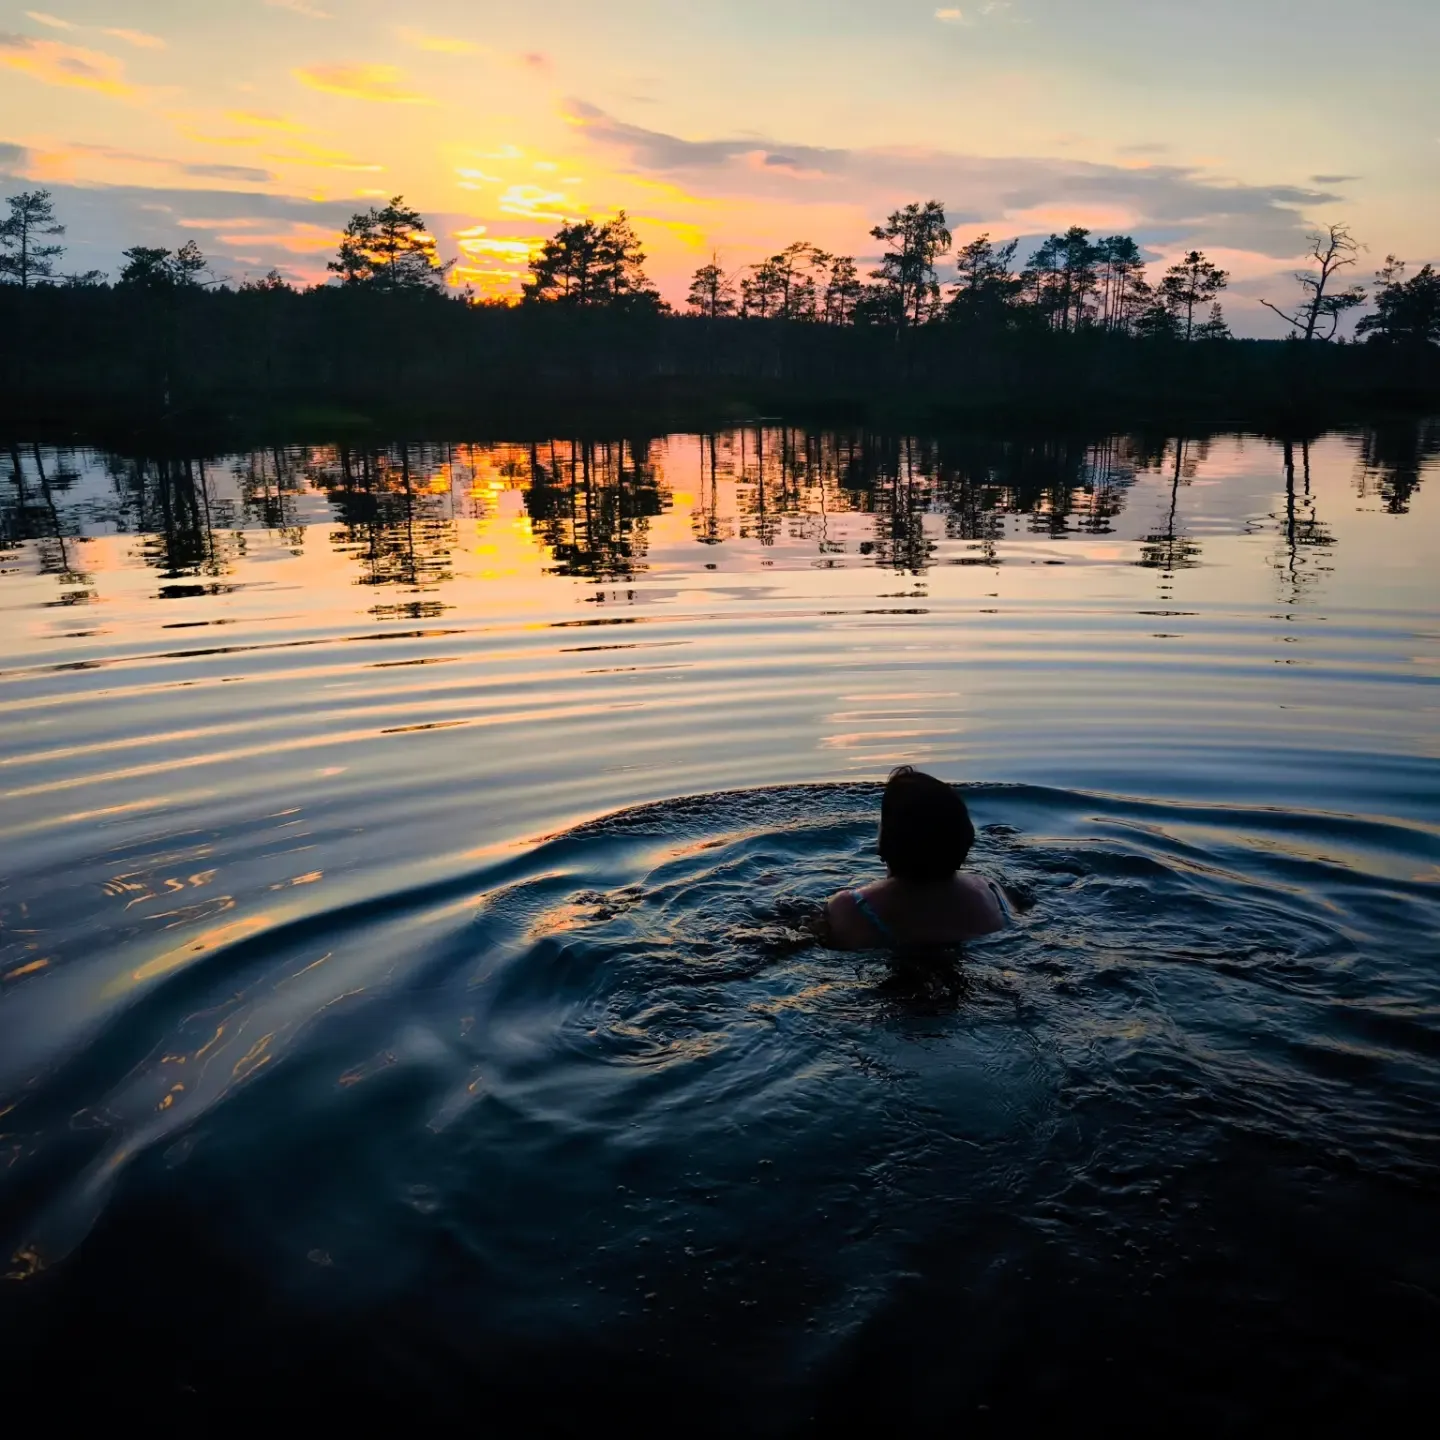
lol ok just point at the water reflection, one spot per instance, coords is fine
(171, 504)
(293, 868)
(33, 511)
(592, 504)
(1393, 458)
(397, 513)
(397, 518)
(1302, 534)
(1168, 548)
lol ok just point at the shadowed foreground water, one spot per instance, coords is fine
(406, 1002)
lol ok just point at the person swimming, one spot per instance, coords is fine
(924, 900)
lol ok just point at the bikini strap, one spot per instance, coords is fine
(868, 911)
(1007, 912)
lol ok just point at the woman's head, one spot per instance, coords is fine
(925, 829)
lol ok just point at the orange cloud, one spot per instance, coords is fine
(492, 267)
(361, 82)
(475, 243)
(301, 240)
(240, 222)
(532, 203)
(54, 63)
(692, 237)
(296, 237)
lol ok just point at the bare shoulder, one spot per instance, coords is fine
(846, 926)
(986, 912)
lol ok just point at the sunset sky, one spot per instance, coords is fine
(257, 126)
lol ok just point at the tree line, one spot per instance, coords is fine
(1072, 282)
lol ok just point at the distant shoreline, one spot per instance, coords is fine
(84, 365)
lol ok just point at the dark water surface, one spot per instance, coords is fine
(405, 999)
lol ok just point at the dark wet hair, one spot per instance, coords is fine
(925, 829)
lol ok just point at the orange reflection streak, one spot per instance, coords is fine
(304, 970)
(191, 951)
(22, 970)
(309, 878)
(253, 1059)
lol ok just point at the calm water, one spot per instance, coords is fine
(404, 994)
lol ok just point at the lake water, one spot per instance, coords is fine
(405, 1000)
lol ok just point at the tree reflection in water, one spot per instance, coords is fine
(396, 521)
(592, 503)
(34, 513)
(890, 499)
(1393, 458)
(1302, 535)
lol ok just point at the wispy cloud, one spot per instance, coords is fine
(532, 202)
(1162, 205)
(989, 10)
(138, 38)
(361, 82)
(264, 121)
(440, 44)
(141, 39)
(114, 155)
(53, 62)
(301, 7)
(472, 179)
(251, 173)
(492, 266)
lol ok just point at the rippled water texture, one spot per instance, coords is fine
(406, 1000)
